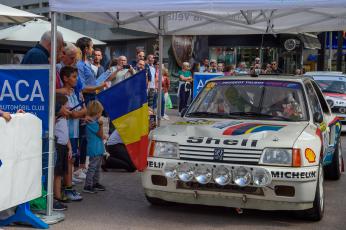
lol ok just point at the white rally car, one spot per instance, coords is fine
(257, 143)
(333, 86)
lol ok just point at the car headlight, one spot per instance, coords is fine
(273, 156)
(164, 149)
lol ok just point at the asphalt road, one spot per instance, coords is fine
(123, 206)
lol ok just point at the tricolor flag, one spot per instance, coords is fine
(127, 106)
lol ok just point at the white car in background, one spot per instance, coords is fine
(333, 86)
(256, 143)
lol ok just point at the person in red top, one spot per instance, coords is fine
(165, 87)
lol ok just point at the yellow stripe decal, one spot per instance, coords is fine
(134, 125)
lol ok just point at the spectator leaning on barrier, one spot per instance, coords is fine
(96, 66)
(69, 78)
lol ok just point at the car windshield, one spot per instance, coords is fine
(332, 84)
(250, 99)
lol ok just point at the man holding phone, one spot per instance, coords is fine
(121, 71)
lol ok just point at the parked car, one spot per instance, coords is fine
(333, 86)
(248, 142)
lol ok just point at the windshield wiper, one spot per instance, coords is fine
(254, 114)
(206, 114)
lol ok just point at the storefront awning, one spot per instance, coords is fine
(309, 41)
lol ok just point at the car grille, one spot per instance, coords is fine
(230, 155)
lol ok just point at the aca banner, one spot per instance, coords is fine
(199, 80)
(26, 87)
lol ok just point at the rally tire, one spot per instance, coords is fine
(333, 171)
(316, 212)
(158, 202)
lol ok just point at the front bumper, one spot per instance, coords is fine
(264, 198)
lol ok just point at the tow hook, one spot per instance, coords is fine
(195, 195)
(244, 199)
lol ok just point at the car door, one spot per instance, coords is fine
(333, 124)
(316, 108)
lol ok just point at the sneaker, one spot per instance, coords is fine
(89, 189)
(73, 195)
(79, 174)
(64, 198)
(58, 206)
(99, 187)
(166, 117)
(76, 180)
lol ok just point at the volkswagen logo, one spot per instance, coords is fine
(218, 154)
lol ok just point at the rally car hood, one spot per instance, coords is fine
(234, 134)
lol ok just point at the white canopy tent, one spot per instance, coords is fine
(203, 17)
(12, 15)
(206, 17)
(32, 31)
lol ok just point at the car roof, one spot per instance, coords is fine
(263, 78)
(325, 73)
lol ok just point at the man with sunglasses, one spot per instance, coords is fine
(275, 68)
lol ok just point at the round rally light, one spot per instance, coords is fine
(330, 103)
(185, 172)
(222, 175)
(203, 174)
(170, 171)
(261, 177)
(242, 176)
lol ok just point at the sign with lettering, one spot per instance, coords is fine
(26, 88)
(199, 80)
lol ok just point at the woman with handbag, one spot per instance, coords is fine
(185, 85)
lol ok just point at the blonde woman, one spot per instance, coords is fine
(185, 85)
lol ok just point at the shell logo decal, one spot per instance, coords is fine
(247, 128)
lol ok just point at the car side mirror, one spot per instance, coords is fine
(318, 118)
(183, 112)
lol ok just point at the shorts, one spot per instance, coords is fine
(60, 168)
(74, 145)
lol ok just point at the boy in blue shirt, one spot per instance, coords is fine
(95, 147)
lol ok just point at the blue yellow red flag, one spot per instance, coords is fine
(127, 106)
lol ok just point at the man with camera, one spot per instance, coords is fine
(121, 71)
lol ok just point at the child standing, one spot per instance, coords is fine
(68, 75)
(95, 147)
(63, 151)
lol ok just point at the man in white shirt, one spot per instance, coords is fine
(152, 94)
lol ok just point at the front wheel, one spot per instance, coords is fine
(316, 212)
(333, 171)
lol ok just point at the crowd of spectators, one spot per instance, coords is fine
(80, 140)
(79, 122)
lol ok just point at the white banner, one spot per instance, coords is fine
(20, 160)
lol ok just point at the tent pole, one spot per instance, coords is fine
(330, 51)
(51, 115)
(159, 96)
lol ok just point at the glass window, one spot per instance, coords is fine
(271, 100)
(313, 99)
